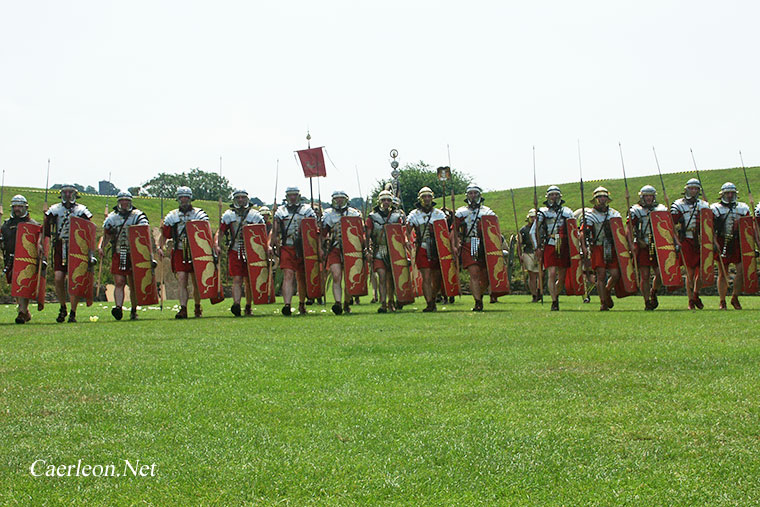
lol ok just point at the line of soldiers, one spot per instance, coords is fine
(424, 260)
(689, 238)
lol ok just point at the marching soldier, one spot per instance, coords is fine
(470, 238)
(57, 226)
(241, 212)
(528, 260)
(597, 233)
(384, 213)
(19, 214)
(727, 212)
(426, 258)
(181, 257)
(331, 229)
(286, 240)
(685, 213)
(115, 231)
(646, 256)
(550, 238)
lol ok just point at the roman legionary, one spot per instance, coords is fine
(382, 214)
(115, 231)
(598, 234)
(685, 213)
(426, 254)
(286, 241)
(550, 238)
(727, 212)
(470, 238)
(241, 212)
(19, 214)
(331, 231)
(646, 255)
(528, 259)
(57, 225)
(181, 256)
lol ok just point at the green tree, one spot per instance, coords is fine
(205, 185)
(412, 177)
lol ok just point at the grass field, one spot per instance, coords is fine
(515, 405)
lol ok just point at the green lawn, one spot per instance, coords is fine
(515, 405)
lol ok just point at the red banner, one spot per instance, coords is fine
(624, 258)
(664, 242)
(706, 247)
(352, 236)
(574, 280)
(81, 249)
(256, 245)
(498, 277)
(749, 261)
(310, 241)
(205, 270)
(312, 162)
(402, 277)
(449, 274)
(25, 261)
(141, 255)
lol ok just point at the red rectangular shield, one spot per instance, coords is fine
(42, 275)
(624, 258)
(749, 261)
(81, 248)
(498, 277)
(205, 270)
(141, 255)
(664, 242)
(575, 282)
(256, 244)
(402, 276)
(449, 273)
(310, 241)
(352, 237)
(312, 162)
(706, 247)
(25, 261)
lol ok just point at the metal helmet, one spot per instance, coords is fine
(19, 200)
(238, 193)
(693, 182)
(339, 193)
(601, 191)
(474, 188)
(728, 187)
(265, 211)
(647, 190)
(124, 194)
(184, 192)
(424, 191)
(551, 189)
(72, 189)
(384, 194)
(292, 190)
(531, 214)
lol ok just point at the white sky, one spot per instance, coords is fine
(139, 87)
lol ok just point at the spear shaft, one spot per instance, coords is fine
(539, 247)
(518, 235)
(628, 229)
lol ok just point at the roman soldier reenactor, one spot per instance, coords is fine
(469, 238)
(550, 238)
(685, 213)
(241, 212)
(426, 254)
(57, 226)
(181, 257)
(19, 214)
(286, 241)
(727, 212)
(331, 231)
(382, 214)
(528, 260)
(646, 255)
(598, 234)
(115, 231)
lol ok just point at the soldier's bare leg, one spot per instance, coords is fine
(288, 285)
(196, 297)
(612, 281)
(427, 286)
(119, 281)
(237, 289)
(182, 286)
(337, 274)
(551, 281)
(23, 311)
(381, 286)
(738, 286)
(533, 282)
(601, 287)
(60, 287)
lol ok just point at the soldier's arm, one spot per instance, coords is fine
(105, 237)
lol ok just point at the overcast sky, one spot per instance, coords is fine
(139, 87)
